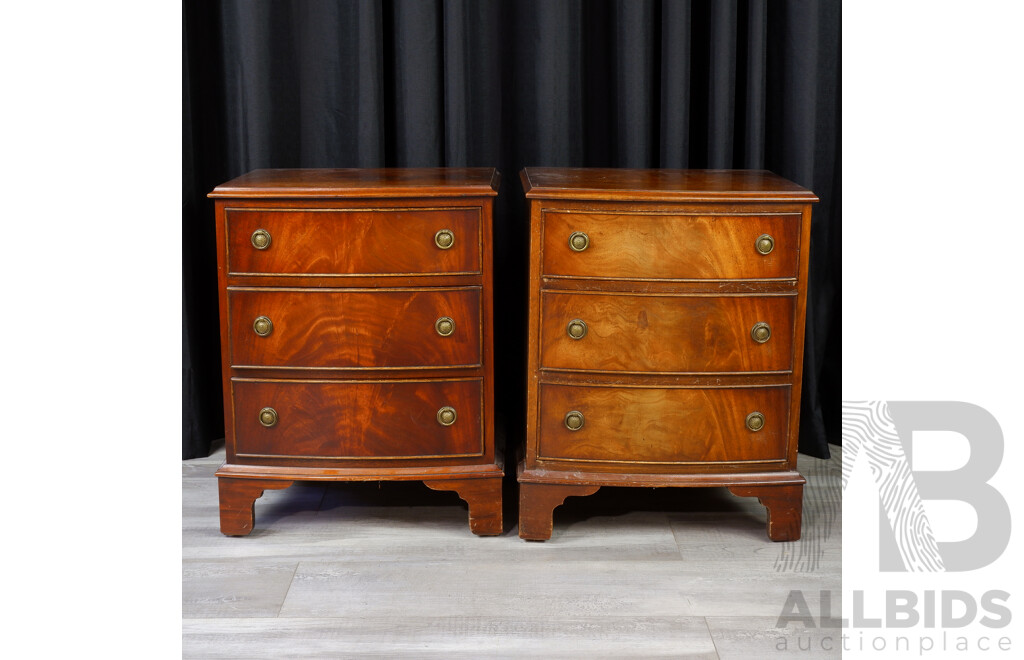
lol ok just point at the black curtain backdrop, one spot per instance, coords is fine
(508, 84)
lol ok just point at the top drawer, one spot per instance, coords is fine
(610, 245)
(353, 242)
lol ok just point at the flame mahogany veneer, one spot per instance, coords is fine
(356, 334)
(665, 336)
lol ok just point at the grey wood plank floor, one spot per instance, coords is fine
(381, 570)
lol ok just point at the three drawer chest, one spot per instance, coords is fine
(356, 334)
(665, 336)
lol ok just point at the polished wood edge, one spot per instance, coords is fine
(578, 192)
(365, 289)
(484, 499)
(417, 473)
(665, 381)
(542, 476)
(248, 187)
(375, 457)
(670, 294)
(255, 208)
(370, 192)
(666, 373)
(738, 281)
(381, 381)
(412, 367)
(454, 273)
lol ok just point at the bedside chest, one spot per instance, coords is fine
(356, 333)
(666, 325)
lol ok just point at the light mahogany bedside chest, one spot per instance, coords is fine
(356, 333)
(665, 336)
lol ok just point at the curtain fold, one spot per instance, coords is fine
(510, 83)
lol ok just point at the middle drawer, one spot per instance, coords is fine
(646, 333)
(355, 328)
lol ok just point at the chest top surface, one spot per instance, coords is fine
(353, 182)
(660, 185)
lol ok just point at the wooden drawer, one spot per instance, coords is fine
(355, 329)
(357, 419)
(353, 242)
(638, 425)
(670, 247)
(665, 333)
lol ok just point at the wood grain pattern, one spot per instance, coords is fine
(657, 333)
(675, 247)
(670, 284)
(355, 329)
(353, 282)
(378, 419)
(353, 242)
(637, 425)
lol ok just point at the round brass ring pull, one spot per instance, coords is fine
(268, 417)
(444, 239)
(444, 326)
(574, 420)
(446, 416)
(755, 421)
(260, 239)
(262, 326)
(765, 243)
(761, 332)
(577, 329)
(578, 241)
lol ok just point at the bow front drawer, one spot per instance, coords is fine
(632, 246)
(644, 333)
(657, 425)
(314, 420)
(353, 242)
(355, 328)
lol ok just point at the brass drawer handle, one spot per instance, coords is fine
(446, 416)
(444, 326)
(268, 417)
(755, 421)
(444, 239)
(260, 239)
(761, 332)
(577, 329)
(262, 326)
(574, 420)
(765, 243)
(578, 241)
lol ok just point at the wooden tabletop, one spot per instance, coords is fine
(660, 185)
(357, 182)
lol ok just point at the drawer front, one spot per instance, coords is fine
(354, 329)
(667, 334)
(674, 247)
(318, 419)
(638, 425)
(360, 242)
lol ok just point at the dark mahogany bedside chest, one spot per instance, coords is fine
(356, 333)
(666, 327)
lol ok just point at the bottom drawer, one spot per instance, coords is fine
(663, 425)
(358, 419)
